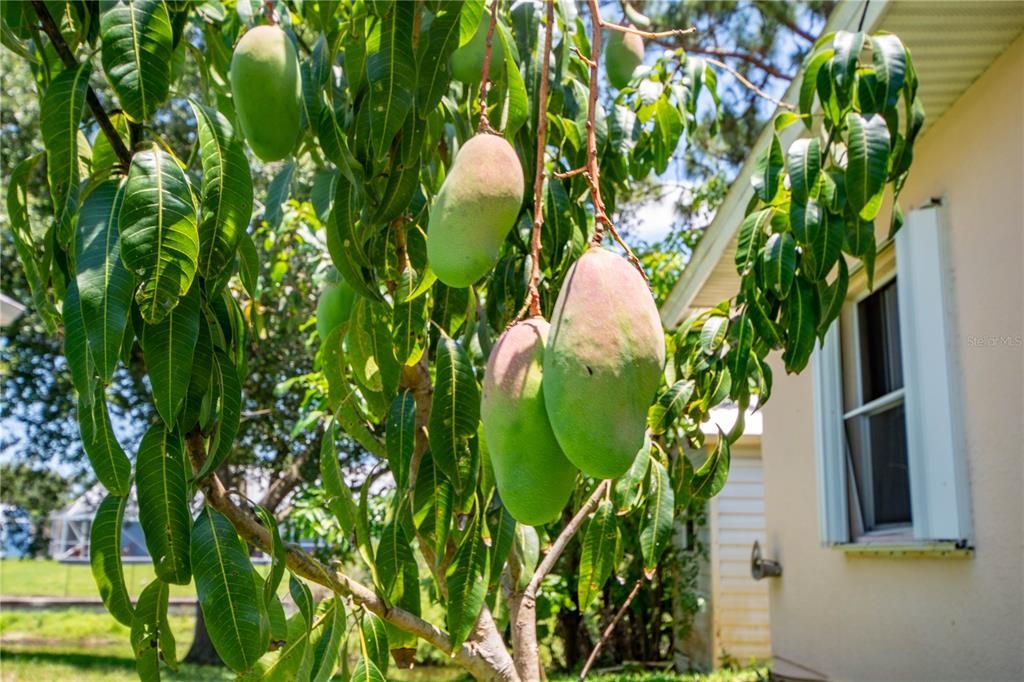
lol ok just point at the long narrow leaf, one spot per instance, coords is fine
(105, 558)
(163, 503)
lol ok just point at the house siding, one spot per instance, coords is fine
(873, 618)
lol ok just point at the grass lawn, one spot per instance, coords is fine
(29, 577)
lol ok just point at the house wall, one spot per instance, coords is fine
(871, 618)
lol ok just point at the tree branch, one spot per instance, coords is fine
(302, 564)
(608, 630)
(485, 83)
(64, 52)
(650, 35)
(751, 59)
(750, 86)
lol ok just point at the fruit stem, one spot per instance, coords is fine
(538, 179)
(485, 84)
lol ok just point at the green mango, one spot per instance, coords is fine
(622, 54)
(604, 361)
(333, 308)
(467, 62)
(477, 206)
(533, 476)
(267, 90)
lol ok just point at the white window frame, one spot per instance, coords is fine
(936, 448)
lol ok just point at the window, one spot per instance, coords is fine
(890, 454)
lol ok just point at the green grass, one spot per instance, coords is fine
(31, 578)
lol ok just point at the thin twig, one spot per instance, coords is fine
(485, 84)
(562, 541)
(64, 52)
(608, 630)
(750, 86)
(538, 180)
(650, 35)
(570, 173)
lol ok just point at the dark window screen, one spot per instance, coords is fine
(881, 362)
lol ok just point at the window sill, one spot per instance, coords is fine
(906, 549)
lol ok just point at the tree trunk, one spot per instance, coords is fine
(202, 652)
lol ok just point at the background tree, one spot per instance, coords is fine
(157, 239)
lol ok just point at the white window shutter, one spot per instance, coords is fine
(936, 450)
(830, 441)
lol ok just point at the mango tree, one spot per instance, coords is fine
(428, 121)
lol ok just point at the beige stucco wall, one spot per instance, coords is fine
(859, 618)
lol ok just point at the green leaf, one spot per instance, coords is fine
(366, 671)
(303, 598)
(806, 220)
(105, 286)
(847, 48)
(163, 503)
(868, 154)
(33, 247)
(712, 334)
(598, 554)
(108, 460)
(710, 478)
(370, 349)
(345, 243)
(330, 471)
(327, 646)
(467, 585)
(409, 320)
(780, 262)
(503, 535)
(60, 112)
(455, 409)
(767, 171)
(277, 194)
(293, 661)
(741, 338)
(375, 641)
(105, 558)
(393, 554)
(804, 162)
(667, 408)
(137, 54)
(628, 488)
(76, 349)
(228, 386)
(151, 635)
(656, 525)
(750, 238)
(233, 608)
(159, 237)
(400, 438)
(278, 558)
(809, 84)
(832, 297)
(248, 265)
(800, 314)
(824, 249)
(391, 72)
(226, 191)
(170, 345)
(442, 39)
(517, 104)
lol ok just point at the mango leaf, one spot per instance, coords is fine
(825, 246)
(503, 536)
(169, 346)
(199, 383)
(442, 39)
(76, 348)
(277, 194)
(226, 191)
(628, 488)
(527, 548)
(138, 45)
(517, 103)
(709, 479)
(366, 671)
(669, 405)
(804, 163)
(326, 641)
(293, 661)
(228, 386)
(712, 334)
(104, 285)
(409, 320)
(151, 635)
(867, 165)
(233, 608)
(391, 72)
(109, 462)
(467, 585)
(374, 641)
(847, 48)
(278, 558)
(163, 503)
(345, 243)
(598, 553)
(767, 171)
(780, 263)
(751, 236)
(105, 558)
(801, 319)
(741, 337)
(159, 237)
(809, 84)
(400, 437)
(455, 409)
(303, 598)
(832, 297)
(33, 247)
(806, 220)
(393, 554)
(656, 525)
(60, 111)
